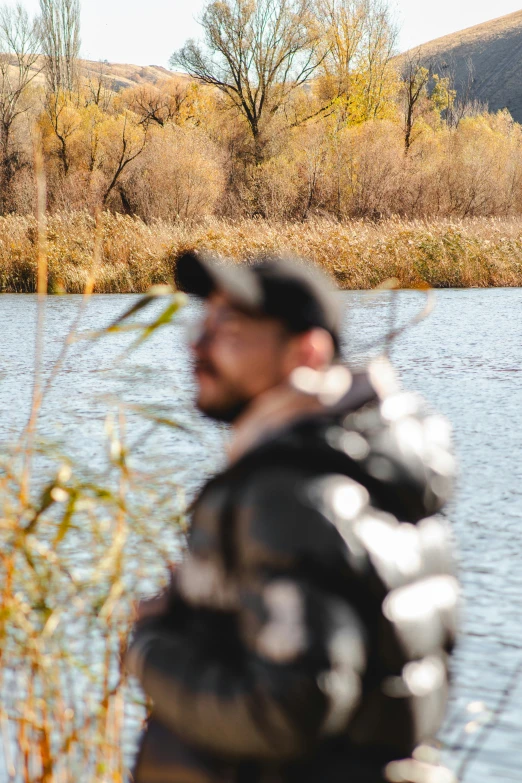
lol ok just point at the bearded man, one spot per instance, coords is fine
(305, 638)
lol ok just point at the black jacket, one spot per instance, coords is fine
(312, 618)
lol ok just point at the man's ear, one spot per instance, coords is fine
(314, 348)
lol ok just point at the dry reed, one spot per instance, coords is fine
(76, 549)
(359, 254)
(75, 555)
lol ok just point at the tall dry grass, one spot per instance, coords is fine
(78, 544)
(76, 552)
(359, 254)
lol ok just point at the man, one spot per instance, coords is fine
(305, 637)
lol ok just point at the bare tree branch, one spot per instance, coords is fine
(19, 65)
(60, 37)
(256, 52)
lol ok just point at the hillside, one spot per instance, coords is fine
(116, 75)
(120, 75)
(494, 52)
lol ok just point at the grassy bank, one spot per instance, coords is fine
(478, 252)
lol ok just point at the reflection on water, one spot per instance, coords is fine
(466, 359)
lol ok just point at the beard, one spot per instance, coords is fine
(226, 413)
(226, 406)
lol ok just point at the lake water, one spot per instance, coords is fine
(466, 358)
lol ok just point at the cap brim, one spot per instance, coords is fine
(202, 274)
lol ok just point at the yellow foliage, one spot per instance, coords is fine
(336, 147)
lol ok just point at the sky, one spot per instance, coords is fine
(146, 32)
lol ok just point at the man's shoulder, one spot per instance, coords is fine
(396, 447)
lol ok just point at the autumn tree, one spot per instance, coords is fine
(180, 175)
(169, 101)
(60, 40)
(414, 86)
(62, 117)
(359, 39)
(257, 52)
(343, 24)
(378, 47)
(122, 141)
(60, 44)
(462, 102)
(19, 65)
(442, 96)
(99, 87)
(424, 96)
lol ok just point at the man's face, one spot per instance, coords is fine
(237, 357)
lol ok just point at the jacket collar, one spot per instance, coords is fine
(309, 393)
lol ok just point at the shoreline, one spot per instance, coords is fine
(359, 255)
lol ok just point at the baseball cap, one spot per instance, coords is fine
(288, 288)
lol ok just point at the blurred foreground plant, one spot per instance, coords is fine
(77, 547)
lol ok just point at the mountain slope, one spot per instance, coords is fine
(485, 62)
(120, 75)
(117, 76)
